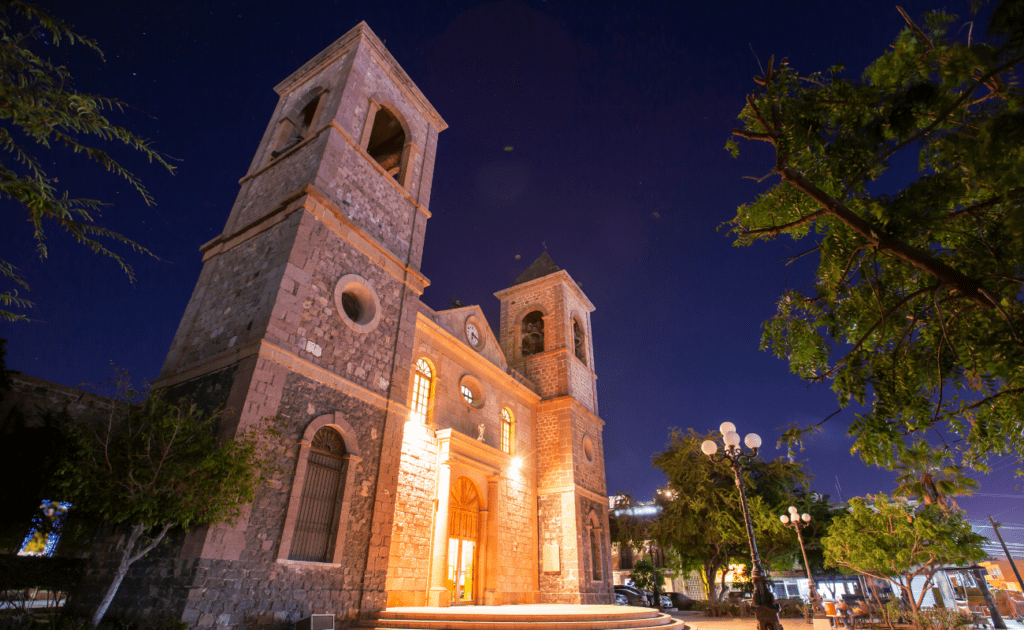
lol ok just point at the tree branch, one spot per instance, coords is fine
(872, 329)
(967, 286)
(922, 133)
(978, 207)
(152, 545)
(786, 226)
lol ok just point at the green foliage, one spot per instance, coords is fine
(155, 464)
(701, 520)
(916, 305)
(626, 528)
(159, 463)
(890, 539)
(39, 106)
(647, 576)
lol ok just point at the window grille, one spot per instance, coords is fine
(316, 527)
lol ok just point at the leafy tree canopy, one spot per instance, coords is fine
(157, 464)
(39, 110)
(889, 539)
(701, 520)
(916, 307)
(647, 576)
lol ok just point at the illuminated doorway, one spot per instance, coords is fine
(463, 538)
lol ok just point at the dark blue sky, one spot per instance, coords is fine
(617, 114)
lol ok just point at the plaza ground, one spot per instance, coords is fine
(697, 621)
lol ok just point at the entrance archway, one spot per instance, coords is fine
(463, 540)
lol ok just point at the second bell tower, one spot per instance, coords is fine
(545, 333)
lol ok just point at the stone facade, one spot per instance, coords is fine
(483, 482)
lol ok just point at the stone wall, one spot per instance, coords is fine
(409, 567)
(38, 402)
(233, 298)
(516, 547)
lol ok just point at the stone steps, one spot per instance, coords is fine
(523, 618)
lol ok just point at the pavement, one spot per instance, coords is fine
(697, 621)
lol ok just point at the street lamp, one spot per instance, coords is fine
(798, 521)
(767, 612)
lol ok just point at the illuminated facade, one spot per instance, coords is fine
(428, 459)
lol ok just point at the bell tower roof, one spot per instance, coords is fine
(541, 267)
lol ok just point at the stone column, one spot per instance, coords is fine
(484, 546)
(439, 595)
(491, 574)
(371, 113)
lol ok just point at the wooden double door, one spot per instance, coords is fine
(463, 541)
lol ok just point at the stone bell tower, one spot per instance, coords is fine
(545, 333)
(306, 309)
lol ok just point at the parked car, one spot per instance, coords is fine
(666, 602)
(621, 600)
(635, 596)
(680, 601)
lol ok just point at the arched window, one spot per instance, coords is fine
(579, 340)
(387, 140)
(596, 544)
(508, 431)
(533, 333)
(291, 133)
(421, 381)
(316, 528)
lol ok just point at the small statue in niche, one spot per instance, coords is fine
(480, 427)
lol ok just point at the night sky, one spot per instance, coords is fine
(594, 130)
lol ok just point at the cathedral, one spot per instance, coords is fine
(430, 459)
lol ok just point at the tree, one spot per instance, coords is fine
(40, 106)
(924, 476)
(889, 539)
(701, 520)
(916, 298)
(156, 465)
(649, 577)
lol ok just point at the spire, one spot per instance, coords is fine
(541, 267)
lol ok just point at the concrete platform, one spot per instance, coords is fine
(525, 617)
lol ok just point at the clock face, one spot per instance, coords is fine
(472, 334)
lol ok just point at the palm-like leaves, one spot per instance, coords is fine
(925, 475)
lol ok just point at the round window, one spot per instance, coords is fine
(472, 391)
(588, 449)
(357, 303)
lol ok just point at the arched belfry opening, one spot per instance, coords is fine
(579, 341)
(533, 334)
(295, 131)
(387, 140)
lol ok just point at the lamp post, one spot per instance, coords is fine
(767, 611)
(799, 521)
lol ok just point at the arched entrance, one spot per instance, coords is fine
(463, 540)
